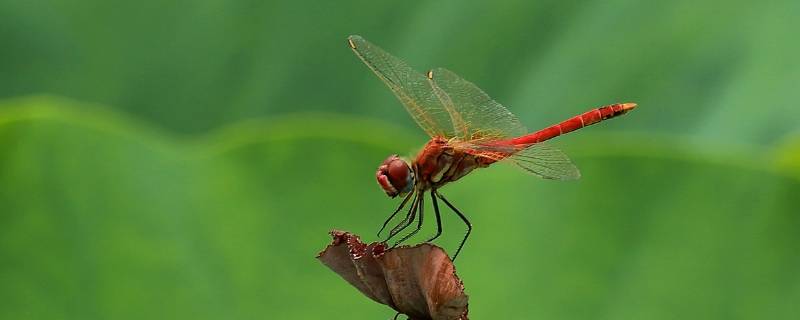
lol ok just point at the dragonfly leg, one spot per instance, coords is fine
(438, 217)
(402, 204)
(412, 213)
(463, 218)
(421, 204)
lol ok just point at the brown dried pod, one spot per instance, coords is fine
(418, 281)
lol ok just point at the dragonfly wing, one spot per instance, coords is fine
(539, 159)
(474, 115)
(546, 162)
(411, 87)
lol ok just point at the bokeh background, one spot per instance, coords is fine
(184, 160)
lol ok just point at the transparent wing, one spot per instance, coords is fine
(539, 159)
(546, 162)
(411, 87)
(474, 115)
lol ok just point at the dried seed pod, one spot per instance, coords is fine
(418, 281)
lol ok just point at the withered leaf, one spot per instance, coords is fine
(418, 281)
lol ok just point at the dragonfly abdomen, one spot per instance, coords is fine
(585, 119)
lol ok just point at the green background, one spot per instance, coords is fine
(184, 160)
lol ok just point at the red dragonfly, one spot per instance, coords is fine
(468, 130)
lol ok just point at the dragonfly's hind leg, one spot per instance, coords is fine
(438, 216)
(463, 218)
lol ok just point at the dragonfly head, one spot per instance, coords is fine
(395, 176)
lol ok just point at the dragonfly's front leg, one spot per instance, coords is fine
(412, 212)
(421, 209)
(402, 204)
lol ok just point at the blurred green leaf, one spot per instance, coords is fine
(106, 218)
(788, 156)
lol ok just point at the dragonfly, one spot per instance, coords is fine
(468, 130)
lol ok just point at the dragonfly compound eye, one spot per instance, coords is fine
(395, 176)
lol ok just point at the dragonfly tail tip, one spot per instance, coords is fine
(628, 106)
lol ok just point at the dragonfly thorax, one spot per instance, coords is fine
(395, 176)
(440, 163)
